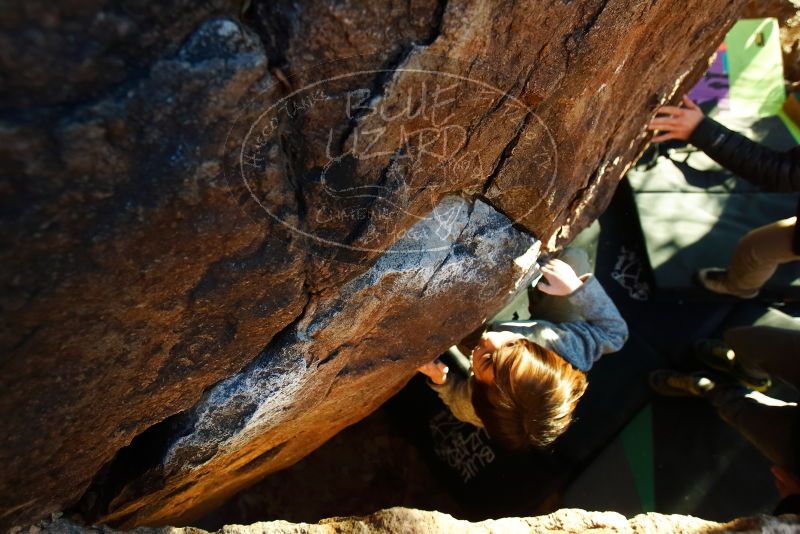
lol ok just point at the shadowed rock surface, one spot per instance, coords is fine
(394, 520)
(202, 206)
(324, 368)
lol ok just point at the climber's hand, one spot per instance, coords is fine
(786, 482)
(559, 278)
(436, 371)
(676, 122)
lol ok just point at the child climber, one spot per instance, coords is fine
(526, 377)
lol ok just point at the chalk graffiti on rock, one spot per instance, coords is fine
(384, 154)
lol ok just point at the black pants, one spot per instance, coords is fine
(771, 425)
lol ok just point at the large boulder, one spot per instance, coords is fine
(231, 229)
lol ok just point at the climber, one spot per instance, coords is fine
(526, 377)
(758, 254)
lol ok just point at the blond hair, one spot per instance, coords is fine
(532, 397)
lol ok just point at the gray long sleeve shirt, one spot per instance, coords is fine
(581, 343)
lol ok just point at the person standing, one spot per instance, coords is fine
(759, 253)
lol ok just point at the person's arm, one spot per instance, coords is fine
(453, 389)
(768, 169)
(602, 331)
(786, 482)
(582, 343)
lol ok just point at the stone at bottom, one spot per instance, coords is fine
(395, 520)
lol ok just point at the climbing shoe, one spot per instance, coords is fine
(716, 280)
(674, 384)
(718, 356)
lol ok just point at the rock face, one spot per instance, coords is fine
(275, 410)
(231, 229)
(394, 520)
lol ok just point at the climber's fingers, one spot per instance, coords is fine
(663, 137)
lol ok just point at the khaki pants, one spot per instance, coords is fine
(758, 254)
